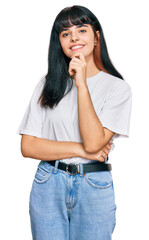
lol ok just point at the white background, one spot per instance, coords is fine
(25, 32)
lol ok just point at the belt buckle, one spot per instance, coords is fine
(77, 168)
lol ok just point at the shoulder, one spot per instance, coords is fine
(116, 84)
(39, 86)
(41, 82)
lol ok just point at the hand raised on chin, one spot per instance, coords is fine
(77, 69)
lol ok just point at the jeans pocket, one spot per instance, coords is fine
(42, 174)
(99, 179)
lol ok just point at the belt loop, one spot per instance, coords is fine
(106, 160)
(56, 166)
(81, 169)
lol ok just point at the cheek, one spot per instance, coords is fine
(89, 40)
(64, 45)
(90, 44)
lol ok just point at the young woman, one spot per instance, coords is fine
(76, 110)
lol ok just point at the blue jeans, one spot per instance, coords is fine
(71, 207)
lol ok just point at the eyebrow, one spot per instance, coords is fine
(78, 26)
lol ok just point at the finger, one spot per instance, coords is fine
(101, 159)
(76, 58)
(103, 154)
(75, 64)
(82, 57)
(108, 146)
(74, 67)
(79, 56)
(105, 150)
(76, 55)
(109, 143)
(71, 71)
(77, 61)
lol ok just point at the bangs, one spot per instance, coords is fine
(69, 17)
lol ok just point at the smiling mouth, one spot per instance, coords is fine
(77, 47)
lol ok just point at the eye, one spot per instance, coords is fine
(82, 30)
(65, 34)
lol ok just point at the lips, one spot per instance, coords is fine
(77, 46)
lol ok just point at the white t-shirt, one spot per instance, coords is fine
(111, 98)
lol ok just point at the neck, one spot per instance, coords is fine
(91, 68)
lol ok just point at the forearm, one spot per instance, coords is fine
(45, 149)
(91, 129)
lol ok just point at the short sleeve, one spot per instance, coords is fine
(31, 123)
(116, 111)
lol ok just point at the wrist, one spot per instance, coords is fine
(79, 150)
(83, 88)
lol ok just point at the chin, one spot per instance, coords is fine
(79, 51)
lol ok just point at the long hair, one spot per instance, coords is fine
(57, 78)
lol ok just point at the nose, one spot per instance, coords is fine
(74, 37)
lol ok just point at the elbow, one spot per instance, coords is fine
(26, 147)
(25, 151)
(92, 149)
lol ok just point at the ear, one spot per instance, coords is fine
(97, 35)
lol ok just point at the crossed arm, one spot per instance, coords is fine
(48, 150)
(95, 138)
(93, 135)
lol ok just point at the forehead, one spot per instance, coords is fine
(73, 27)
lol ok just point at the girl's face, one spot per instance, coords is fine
(78, 38)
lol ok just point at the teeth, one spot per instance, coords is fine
(78, 46)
